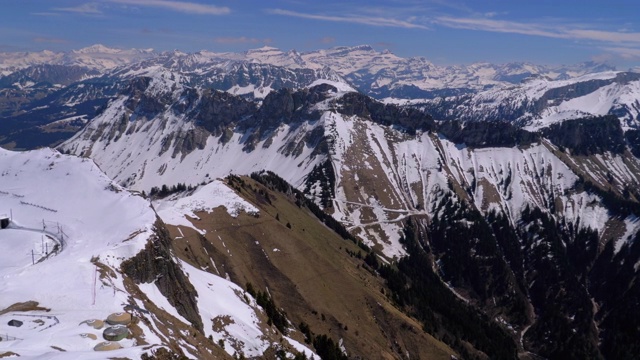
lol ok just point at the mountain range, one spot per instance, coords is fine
(481, 211)
(48, 96)
(379, 74)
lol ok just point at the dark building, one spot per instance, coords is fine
(4, 222)
(16, 323)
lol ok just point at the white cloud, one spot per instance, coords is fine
(502, 26)
(185, 7)
(85, 9)
(539, 29)
(624, 53)
(614, 44)
(354, 19)
(605, 36)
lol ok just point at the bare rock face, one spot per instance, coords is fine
(156, 263)
(190, 140)
(363, 106)
(287, 105)
(218, 110)
(588, 135)
(143, 103)
(487, 134)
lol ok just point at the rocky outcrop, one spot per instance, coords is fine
(217, 111)
(588, 136)
(188, 141)
(157, 264)
(286, 106)
(556, 96)
(486, 134)
(408, 119)
(141, 102)
(633, 140)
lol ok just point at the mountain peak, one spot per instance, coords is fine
(96, 48)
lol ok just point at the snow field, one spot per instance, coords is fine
(102, 222)
(96, 217)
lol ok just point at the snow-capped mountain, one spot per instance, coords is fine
(40, 89)
(161, 131)
(540, 102)
(247, 77)
(525, 221)
(36, 98)
(179, 125)
(379, 74)
(377, 167)
(95, 57)
(160, 126)
(384, 74)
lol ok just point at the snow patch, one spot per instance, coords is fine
(174, 209)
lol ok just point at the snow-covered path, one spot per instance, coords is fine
(58, 237)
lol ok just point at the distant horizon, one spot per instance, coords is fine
(378, 50)
(446, 32)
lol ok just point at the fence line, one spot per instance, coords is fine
(10, 193)
(59, 236)
(38, 206)
(37, 257)
(6, 337)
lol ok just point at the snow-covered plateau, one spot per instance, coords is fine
(70, 230)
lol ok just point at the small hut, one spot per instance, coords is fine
(4, 222)
(107, 346)
(16, 323)
(115, 333)
(94, 323)
(119, 319)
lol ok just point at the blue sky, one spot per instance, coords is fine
(443, 31)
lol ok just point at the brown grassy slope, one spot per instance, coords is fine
(311, 276)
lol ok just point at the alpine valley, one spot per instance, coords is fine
(342, 203)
